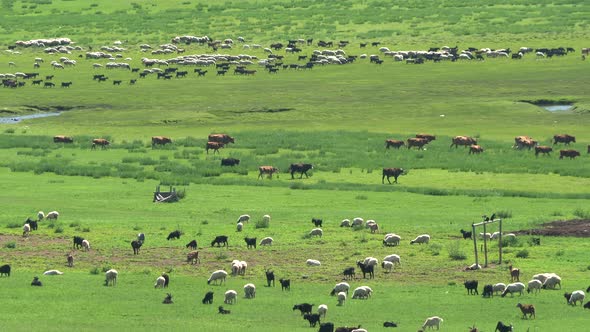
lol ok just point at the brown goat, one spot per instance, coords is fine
(70, 260)
(514, 273)
(527, 309)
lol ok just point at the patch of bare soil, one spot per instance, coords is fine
(575, 228)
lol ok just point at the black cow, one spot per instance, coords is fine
(136, 244)
(389, 172)
(192, 245)
(301, 168)
(305, 308)
(219, 240)
(285, 284)
(77, 242)
(174, 235)
(317, 222)
(5, 270)
(230, 162)
(270, 277)
(471, 286)
(250, 242)
(208, 299)
(488, 291)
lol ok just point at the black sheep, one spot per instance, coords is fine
(250, 242)
(587, 305)
(488, 291)
(192, 245)
(168, 299)
(174, 235)
(313, 319)
(208, 299)
(77, 242)
(136, 244)
(471, 286)
(5, 270)
(305, 308)
(32, 223)
(36, 282)
(326, 327)
(316, 222)
(166, 279)
(349, 273)
(270, 277)
(219, 240)
(223, 311)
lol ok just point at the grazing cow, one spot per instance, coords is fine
(5, 270)
(393, 143)
(546, 150)
(160, 140)
(103, 143)
(389, 172)
(301, 168)
(521, 142)
(568, 153)
(193, 257)
(349, 273)
(428, 137)
(269, 170)
(62, 139)
(250, 242)
(475, 149)
(221, 138)
(174, 235)
(463, 140)
(136, 245)
(230, 162)
(564, 138)
(215, 146)
(192, 245)
(48, 85)
(208, 299)
(219, 240)
(285, 284)
(417, 142)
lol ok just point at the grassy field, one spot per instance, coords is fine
(335, 117)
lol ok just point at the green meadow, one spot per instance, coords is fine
(336, 117)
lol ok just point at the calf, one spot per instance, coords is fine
(305, 308)
(174, 235)
(192, 245)
(215, 146)
(471, 286)
(268, 170)
(317, 222)
(208, 299)
(285, 284)
(313, 319)
(250, 242)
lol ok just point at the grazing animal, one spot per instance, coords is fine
(192, 245)
(250, 242)
(316, 232)
(219, 240)
(513, 288)
(52, 215)
(391, 239)
(428, 137)
(488, 290)
(366, 268)
(244, 218)
(534, 286)
(424, 238)
(268, 170)
(341, 298)
(208, 299)
(26, 229)
(239, 227)
(174, 235)
(564, 138)
(587, 305)
(270, 277)
(431, 322)
(193, 257)
(574, 297)
(160, 140)
(249, 291)
(552, 281)
(215, 146)
(466, 235)
(388, 266)
(217, 275)
(62, 139)
(463, 140)
(36, 282)
(160, 281)
(32, 223)
(323, 310)
(85, 245)
(266, 241)
(223, 311)
(394, 143)
(514, 273)
(500, 327)
(301, 168)
(389, 172)
(40, 215)
(285, 284)
(313, 262)
(141, 237)
(313, 319)
(103, 143)
(521, 142)
(77, 242)
(5, 270)
(527, 309)
(417, 142)
(471, 286)
(168, 299)
(305, 308)
(568, 153)
(546, 150)
(475, 149)
(326, 327)
(389, 324)
(349, 273)
(136, 245)
(317, 222)
(70, 259)
(340, 287)
(230, 162)
(221, 138)
(111, 277)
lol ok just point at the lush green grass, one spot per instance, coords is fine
(336, 117)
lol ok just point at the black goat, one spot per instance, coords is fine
(305, 308)
(208, 299)
(503, 328)
(136, 244)
(250, 242)
(326, 327)
(466, 235)
(587, 305)
(168, 299)
(488, 291)
(285, 284)
(32, 223)
(349, 273)
(270, 277)
(313, 319)
(166, 279)
(471, 286)
(316, 222)
(219, 240)
(192, 245)
(77, 242)
(174, 235)
(36, 282)
(223, 311)
(5, 269)
(366, 269)
(389, 324)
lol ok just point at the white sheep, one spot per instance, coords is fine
(577, 296)
(391, 239)
(52, 215)
(487, 236)
(160, 282)
(360, 293)
(111, 277)
(85, 245)
(316, 232)
(266, 241)
(494, 235)
(357, 221)
(53, 273)
(359, 330)
(534, 286)
(341, 298)
(231, 297)
(239, 227)
(369, 223)
(374, 228)
(266, 218)
(322, 310)
(368, 289)
(386, 265)
(499, 288)
(431, 322)
(340, 287)
(516, 287)
(250, 291)
(424, 238)
(393, 258)
(236, 267)
(313, 262)
(26, 229)
(217, 275)
(542, 277)
(40, 215)
(371, 261)
(345, 223)
(244, 218)
(552, 281)
(243, 268)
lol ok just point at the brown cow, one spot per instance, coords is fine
(463, 140)
(393, 143)
(427, 136)
(475, 149)
(100, 141)
(417, 142)
(564, 138)
(568, 153)
(542, 149)
(62, 139)
(221, 138)
(270, 170)
(389, 172)
(521, 142)
(214, 145)
(160, 140)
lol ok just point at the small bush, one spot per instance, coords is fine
(204, 222)
(455, 252)
(59, 229)
(136, 228)
(95, 270)
(504, 214)
(221, 256)
(358, 227)
(511, 242)
(262, 223)
(581, 213)
(10, 245)
(9, 131)
(435, 249)
(75, 224)
(86, 229)
(522, 254)
(559, 253)
(361, 197)
(13, 225)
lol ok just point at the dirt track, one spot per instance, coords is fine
(575, 227)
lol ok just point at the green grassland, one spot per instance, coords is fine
(336, 117)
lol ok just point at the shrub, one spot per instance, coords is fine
(455, 252)
(504, 214)
(221, 256)
(9, 131)
(59, 229)
(95, 270)
(511, 242)
(522, 254)
(582, 214)
(361, 197)
(75, 224)
(435, 249)
(13, 225)
(86, 229)
(262, 223)
(10, 245)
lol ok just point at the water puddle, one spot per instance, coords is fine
(557, 108)
(17, 119)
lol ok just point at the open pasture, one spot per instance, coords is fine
(336, 117)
